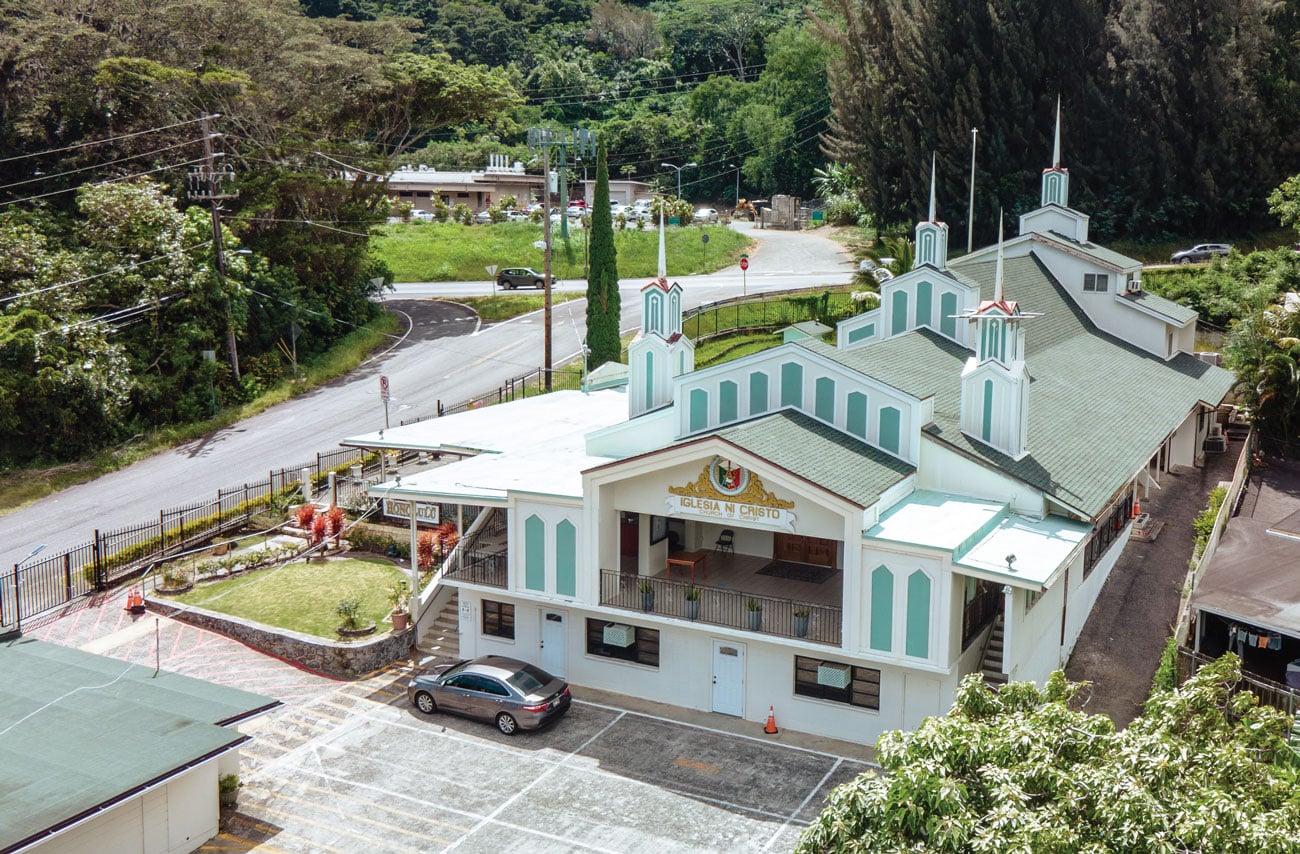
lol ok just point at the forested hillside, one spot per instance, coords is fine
(117, 314)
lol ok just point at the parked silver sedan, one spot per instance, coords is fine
(512, 694)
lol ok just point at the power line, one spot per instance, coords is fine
(104, 140)
(43, 177)
(118, 269)
(102, 183)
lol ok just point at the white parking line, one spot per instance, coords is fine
(794, 815)
(539, 778)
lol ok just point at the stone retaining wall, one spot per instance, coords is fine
(346, 660)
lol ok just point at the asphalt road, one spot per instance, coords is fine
(445, 355)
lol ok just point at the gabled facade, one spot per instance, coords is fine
(840, 532)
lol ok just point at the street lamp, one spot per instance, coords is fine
(679, 174)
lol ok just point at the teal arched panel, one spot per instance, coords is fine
(986, 425)
(882, 609)
(535, 553)
(757, 393)
(917, 643)
(792, 384)
(898, 323)
(889, 426)
(824, 399)
(649, 379)
(566, 559)
(728, 401)
(924, 296)
(948, 315)
(699, 409)
(856, 414)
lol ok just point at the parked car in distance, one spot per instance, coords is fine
(422, 216)
(517, 216)
(532, 206)
(483, 217)
(1200, 252)
(512, 694)
(522, 277)
(706, 215)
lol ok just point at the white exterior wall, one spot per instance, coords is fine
(903, 562)
(1187, 441)
(1034, 647)
(944, 470)
(1084, 591)
(879, 395)
(685, 673)
(176, 817)
(968, 299)
(551, 515)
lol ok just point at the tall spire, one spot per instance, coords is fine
(1056, 145)
(933, 159)
(997, 289)
(663, 257)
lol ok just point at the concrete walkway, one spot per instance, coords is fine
(1119, 649)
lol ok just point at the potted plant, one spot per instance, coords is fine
(754, 613)
(397, 594)
(692, 595)
(801, 621)
(228, 789)
(647, 588)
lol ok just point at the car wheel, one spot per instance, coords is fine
(424, 702)
(506, 723)
(1184, 260)
(539, 284)
(510, 286)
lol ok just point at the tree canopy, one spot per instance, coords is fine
(1205, 768)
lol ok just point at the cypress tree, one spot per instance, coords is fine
(602, 278)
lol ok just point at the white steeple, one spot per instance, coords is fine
(932, 235)
(660, 352)
(1056, 178)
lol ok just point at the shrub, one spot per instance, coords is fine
(319, 529)
(424, 548)
(305, 515)
(348, 609)
(1203, 524)
(1164, 678)
(440, 211)
(336, 517)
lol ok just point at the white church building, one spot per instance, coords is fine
(841, 532)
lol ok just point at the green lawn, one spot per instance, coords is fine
(302, 596)
(448, 252)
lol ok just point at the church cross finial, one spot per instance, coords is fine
(997, 289)
(663, 257)
(1056, 145)
(933, 158)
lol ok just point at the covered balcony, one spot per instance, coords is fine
(739, 591)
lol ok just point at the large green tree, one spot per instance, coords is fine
(603, 309)
(1205, 768)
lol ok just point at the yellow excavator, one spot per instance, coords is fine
(744, 210)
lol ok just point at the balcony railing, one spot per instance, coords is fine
(732, 608)
(481, 566)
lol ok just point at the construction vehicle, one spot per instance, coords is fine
(744, 210)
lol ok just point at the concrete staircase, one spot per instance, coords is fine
(440, 643)
(992, 662)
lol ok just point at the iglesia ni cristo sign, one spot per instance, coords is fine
(727, 491)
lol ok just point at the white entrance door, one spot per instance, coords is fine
(728, 678)
(553, 646)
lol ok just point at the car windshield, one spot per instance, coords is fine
(528, 679)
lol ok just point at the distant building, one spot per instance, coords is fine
(621, 190)
(420, 186)
(101, 755)
(842, 532)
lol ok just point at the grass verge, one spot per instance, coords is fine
(505, 306)
(23, 486)
(449, 252)
(302, 596)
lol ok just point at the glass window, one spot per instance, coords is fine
(644, 648)
(841, 683)
(499, 619)
(1096, 282)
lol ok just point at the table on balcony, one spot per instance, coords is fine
(683, 560)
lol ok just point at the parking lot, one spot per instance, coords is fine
(359, 770)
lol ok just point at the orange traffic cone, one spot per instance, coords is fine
(770, 728)
(1137, 508)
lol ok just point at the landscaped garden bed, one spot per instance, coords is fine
(303, 596)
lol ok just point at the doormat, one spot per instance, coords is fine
(798, 571)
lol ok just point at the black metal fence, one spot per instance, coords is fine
(732, 608)
(480, 566)
(36, 586)
(1270, 693)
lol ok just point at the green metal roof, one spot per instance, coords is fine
(1098, 407)
(79, 732)
(817, 452)
(1176, 312)
(1101, 253)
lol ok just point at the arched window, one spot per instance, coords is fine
(535, 553)
(917, 643)
(856, 416)
(882, 609)
(566, 559)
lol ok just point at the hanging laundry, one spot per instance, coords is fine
(1251, 639)
(1275, 642)
(1263, 642)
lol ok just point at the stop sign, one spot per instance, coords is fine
(744, 263)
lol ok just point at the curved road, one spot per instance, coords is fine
(446, 355)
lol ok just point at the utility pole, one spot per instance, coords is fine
(545, 139)
(206, 185)
(970, 216)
